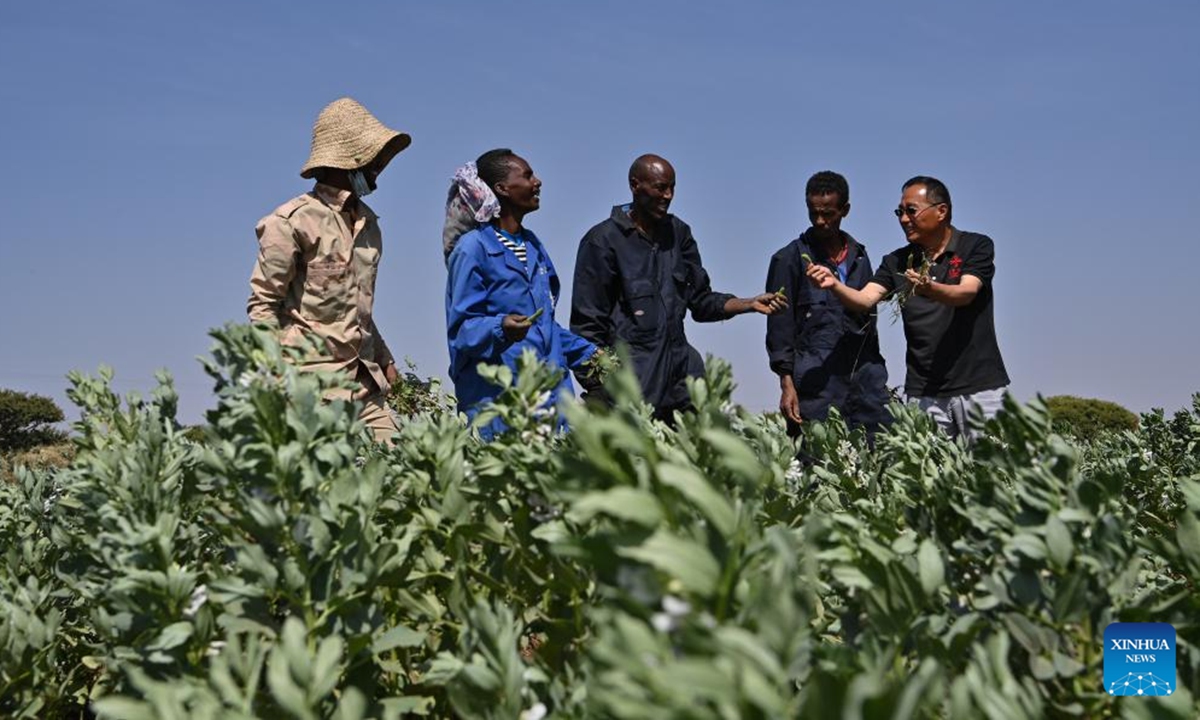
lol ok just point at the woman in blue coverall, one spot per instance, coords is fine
(500, 276)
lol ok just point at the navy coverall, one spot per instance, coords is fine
(831, 353)
(637, 290)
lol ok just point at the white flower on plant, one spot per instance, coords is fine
(794, 471)
(537, 712)
(214, 648)
(675, 607)
(663, 622)
(49, 503)
(674, 610)
(846, 450)
(199, 597)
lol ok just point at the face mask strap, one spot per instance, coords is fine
(359, 184)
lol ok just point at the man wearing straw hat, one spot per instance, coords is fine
(319, 254)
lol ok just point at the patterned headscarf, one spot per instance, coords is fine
(468, 203)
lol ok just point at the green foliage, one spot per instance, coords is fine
(26, 420)
(413, 395)
(288, 567)
(1087, 418)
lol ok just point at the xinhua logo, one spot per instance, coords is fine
(1139, 659)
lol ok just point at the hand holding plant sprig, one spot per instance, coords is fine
(516, 326)
(915, 278)
(601, 364)
(820, 276)
(782, 291)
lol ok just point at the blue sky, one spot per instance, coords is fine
(143, 140)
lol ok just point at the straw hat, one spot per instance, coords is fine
(347, 136)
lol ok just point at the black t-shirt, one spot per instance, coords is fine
(951, 351)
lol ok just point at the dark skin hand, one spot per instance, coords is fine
(515, 327)
(765, 304)
(789, 400)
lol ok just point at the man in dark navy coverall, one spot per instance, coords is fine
(825, 356)
(636, 276)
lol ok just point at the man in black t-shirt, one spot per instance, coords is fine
(944, 277)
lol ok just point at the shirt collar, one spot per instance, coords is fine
(624, 221)
(335, 198)
(952, 246)
(495, 246)
(620, 215)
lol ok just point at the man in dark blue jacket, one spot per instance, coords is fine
(637, 275)
(825, 356)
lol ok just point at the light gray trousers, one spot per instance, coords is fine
(952, 413)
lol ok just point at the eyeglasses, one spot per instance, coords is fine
(912, 211)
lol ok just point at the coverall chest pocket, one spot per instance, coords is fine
(645, 308)
(683, 282)
(327, 291)
(818, 325)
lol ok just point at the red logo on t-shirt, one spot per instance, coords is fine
(955, 267)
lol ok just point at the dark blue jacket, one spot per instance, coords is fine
(633, 289)
(485, 282)
(831, 353)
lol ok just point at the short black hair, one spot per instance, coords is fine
(492, 166)
(935, 192)
(828, 182)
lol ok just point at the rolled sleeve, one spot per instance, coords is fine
(383, 354)
(273, 272)
(781, 327)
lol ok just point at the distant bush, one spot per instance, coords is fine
(26, 420)
(1088, 418)
(195, 433)
(41, 457)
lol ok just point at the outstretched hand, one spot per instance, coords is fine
(820, 276)
(768, 303)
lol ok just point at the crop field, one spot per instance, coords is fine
(283, 566)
